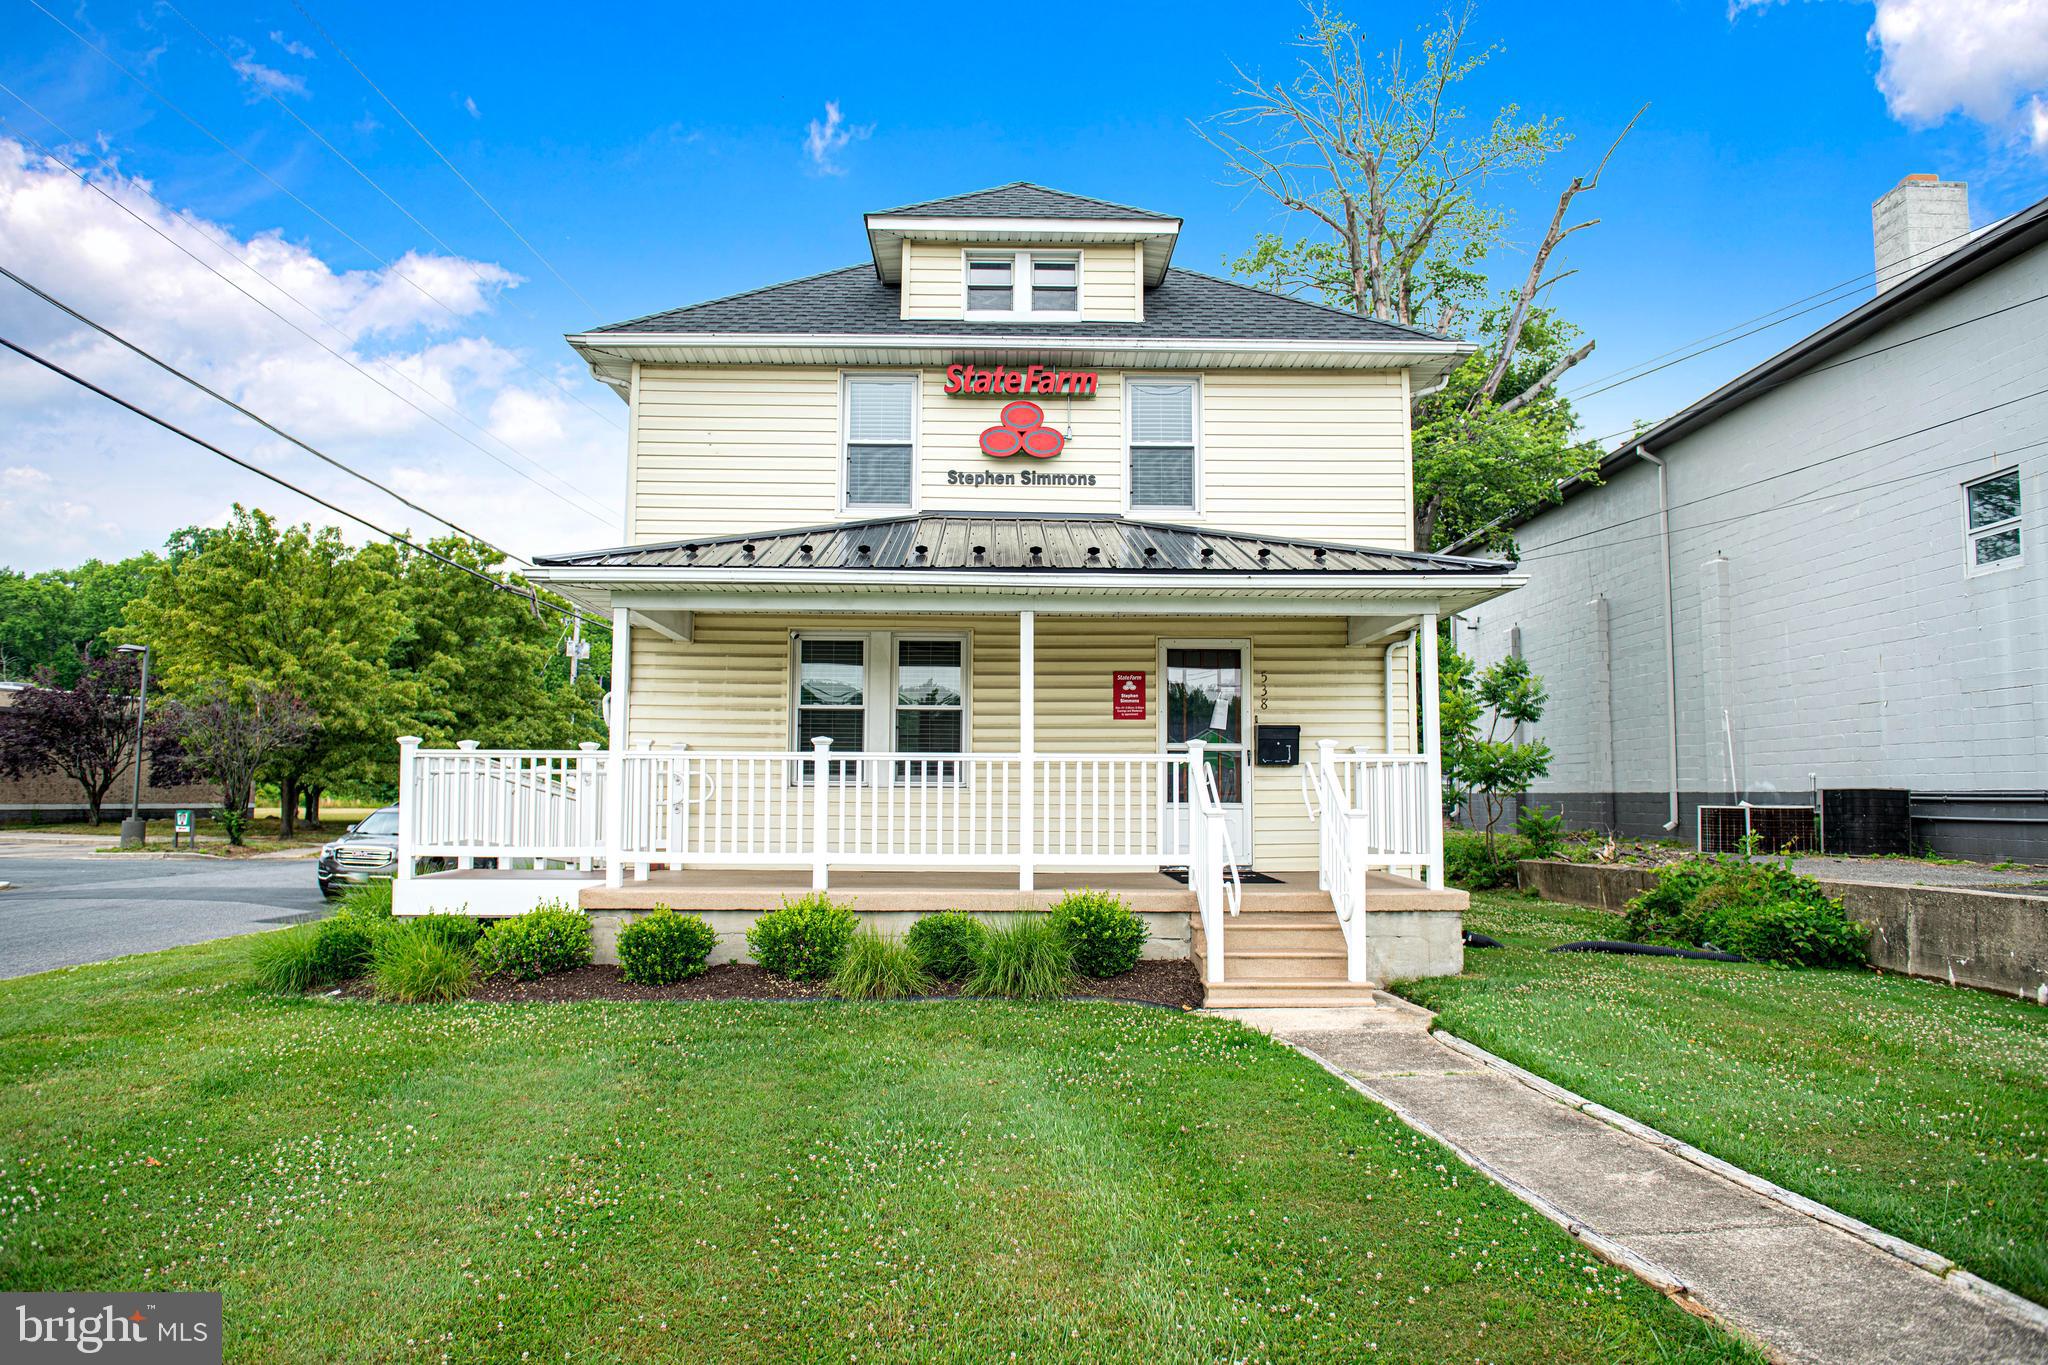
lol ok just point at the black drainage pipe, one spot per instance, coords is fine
(1646, 950)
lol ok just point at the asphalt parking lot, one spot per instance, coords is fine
(64, 908)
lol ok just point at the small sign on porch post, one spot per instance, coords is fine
(1127, 696)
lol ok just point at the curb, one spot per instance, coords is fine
(1934, 1263)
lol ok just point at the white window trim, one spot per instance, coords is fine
(1020, 284)
(881, 670)
(1130, 383)
(915, 379)
(1971, 535)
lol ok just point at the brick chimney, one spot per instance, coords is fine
(1921, 220)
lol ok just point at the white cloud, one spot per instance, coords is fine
(470, 104)
(293, 46)
(79, 476)
(823, 142)
(265, 80)
(1984, 59)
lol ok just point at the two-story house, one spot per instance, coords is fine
(1007, 560)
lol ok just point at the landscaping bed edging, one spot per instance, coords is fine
(1171, 935)
(1992, 940)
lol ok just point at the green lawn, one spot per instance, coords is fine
(1920, 1108)
(807, 1181)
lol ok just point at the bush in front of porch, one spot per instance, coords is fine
(1103, 934)
(804, 938)
(663, 948)
(550, 938)
(945, 943)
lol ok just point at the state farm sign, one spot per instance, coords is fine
(969, 381)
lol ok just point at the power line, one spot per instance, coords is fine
(389, 198)
(339, 51)
(274, 430)
(1833, 294)
(530, 593)
(578, 504)
(225, 146)
(1796, 469)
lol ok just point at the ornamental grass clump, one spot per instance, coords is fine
(663, 948)
(1104, 935)
(945, 943)
(416, 964)
(371, 900)
(282, 962)
(802, 939)
(1026, 959)
(341, 947)
(552, 938)
(457, 931)
(876, 968)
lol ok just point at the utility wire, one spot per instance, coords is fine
(343, 54)
(260, 421)
(1796, 469)
(574, 499)
(225, 146)
(388, 197)
(531, 594)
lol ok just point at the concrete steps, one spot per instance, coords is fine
(1284, 950)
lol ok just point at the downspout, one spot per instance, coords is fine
(1670, 640)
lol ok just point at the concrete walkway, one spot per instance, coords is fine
(1805, 1290)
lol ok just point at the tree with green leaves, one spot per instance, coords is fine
(286, 609)
(56, 619)
(1481, 713)
(84, 730)
(227, 740)
(1374, 156)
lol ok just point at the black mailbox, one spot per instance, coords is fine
(1278, 746)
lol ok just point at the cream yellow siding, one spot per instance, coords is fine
(730, 690)
(934, 280)
(1309, 454)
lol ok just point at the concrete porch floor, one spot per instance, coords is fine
(980, 892)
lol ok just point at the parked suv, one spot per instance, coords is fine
(367, 851)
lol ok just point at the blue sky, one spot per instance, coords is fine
(659, 163)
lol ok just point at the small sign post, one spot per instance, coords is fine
(1127, 696)
(181, 824)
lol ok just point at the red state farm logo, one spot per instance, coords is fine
(1023, 431)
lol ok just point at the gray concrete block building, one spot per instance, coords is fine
(1828, 572)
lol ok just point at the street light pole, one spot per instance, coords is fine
(132, 829)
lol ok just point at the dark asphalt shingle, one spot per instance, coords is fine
(1019, 199)
(1185, 305)
(941, 541)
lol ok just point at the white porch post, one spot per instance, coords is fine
(408, 812)
(821, 809)
(473, 795)
(1027, 744)
(1433, 750)
(615, 766)
(586, 808)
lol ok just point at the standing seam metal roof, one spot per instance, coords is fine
(952, 541)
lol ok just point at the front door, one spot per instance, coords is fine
(1202, 697)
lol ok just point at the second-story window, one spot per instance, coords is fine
(881, 415)
(1163, 443)
(1023, 286)
(1991, 509)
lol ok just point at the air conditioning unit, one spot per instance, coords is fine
(1723, 829)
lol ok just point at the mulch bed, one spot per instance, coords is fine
(1175, 984)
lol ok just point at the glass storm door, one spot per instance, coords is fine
(1203, 698)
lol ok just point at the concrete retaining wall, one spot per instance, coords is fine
(1993, 940)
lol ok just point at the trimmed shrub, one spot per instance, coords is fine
(1104, 935)
(1026, 959)
(371, 900)
(416, 963)
(1467, 864)
(945, 943)
(341, 947)
(283, 961)
(551, 938)
(802, 939)
(460, 932)
(663, 948)
(876, 968)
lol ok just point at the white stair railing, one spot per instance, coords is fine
(1212, 861)
(1344, 836)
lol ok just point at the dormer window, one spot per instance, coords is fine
(1023, 286)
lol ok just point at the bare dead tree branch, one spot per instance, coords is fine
(1550, 376)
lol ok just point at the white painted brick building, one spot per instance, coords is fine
(1834, 617)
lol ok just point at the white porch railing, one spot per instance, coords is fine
(1371, 810)
(1212, 862)
(508, 804)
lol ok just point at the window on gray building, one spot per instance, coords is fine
(1991, 508)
